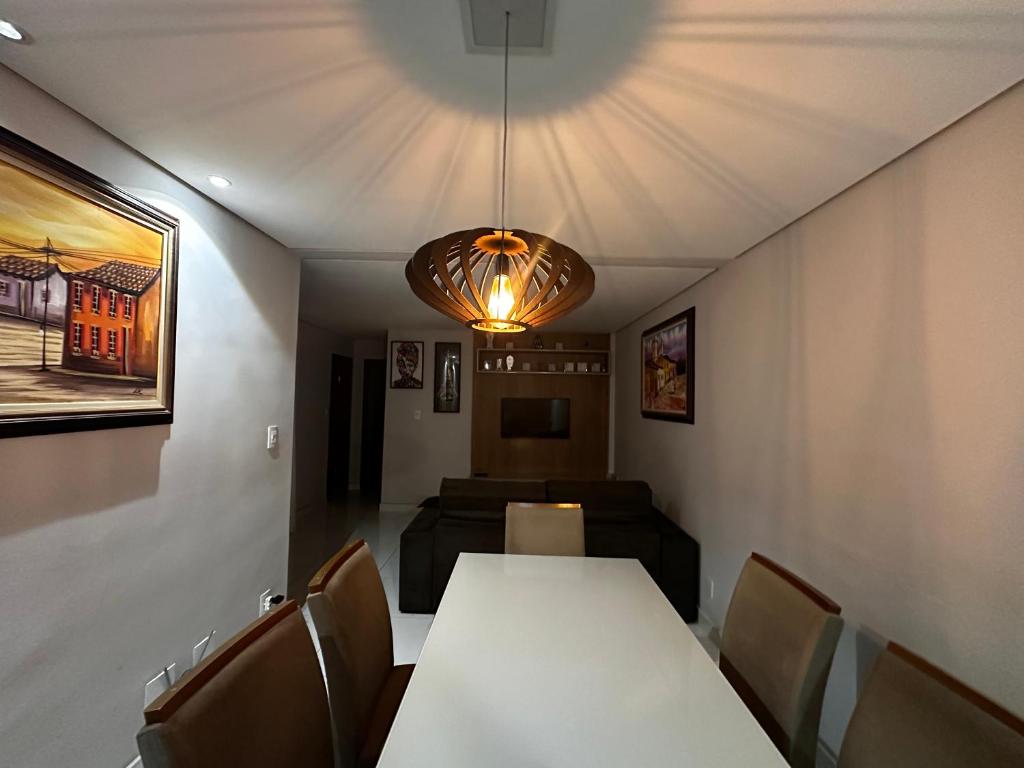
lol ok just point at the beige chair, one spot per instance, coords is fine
(258, 701)
(911, 714)
(777, 645)
(544, 529)
(350, 613)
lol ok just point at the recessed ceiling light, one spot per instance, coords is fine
(219, 181)
(11, 32)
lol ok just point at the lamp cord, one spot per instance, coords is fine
(503, 266)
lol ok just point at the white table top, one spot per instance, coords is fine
(567, 661)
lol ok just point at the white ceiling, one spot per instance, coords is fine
(656, 134)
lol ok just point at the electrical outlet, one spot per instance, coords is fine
(159, 684)
(265, 601)
(202, 648)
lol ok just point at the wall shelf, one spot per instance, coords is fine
(540, 359)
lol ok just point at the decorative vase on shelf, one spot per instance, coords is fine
(500, 367)
(538, 342)
(490, 340)
(508, 362)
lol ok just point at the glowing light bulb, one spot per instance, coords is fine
(502, 299)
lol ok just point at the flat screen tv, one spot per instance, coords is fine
(542, 417)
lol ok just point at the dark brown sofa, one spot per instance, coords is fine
(619, 521)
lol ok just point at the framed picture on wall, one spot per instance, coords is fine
(406, 365)
(447, 376)
(88, 279)
(667, 369)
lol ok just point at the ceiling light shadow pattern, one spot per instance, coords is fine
(424, 42)
(704, 163)
(753, 103)
(268, 94)
(98, 20)
(989, 30)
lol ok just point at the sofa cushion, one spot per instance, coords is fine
(623, 496)
(477, 494)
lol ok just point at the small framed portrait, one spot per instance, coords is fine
(447, 376)
(406, 365)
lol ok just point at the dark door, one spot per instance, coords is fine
(371, 462)
(340, 427)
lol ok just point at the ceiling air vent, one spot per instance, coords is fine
(483, 25)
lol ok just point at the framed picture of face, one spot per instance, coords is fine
(88, 277)
(447, 376)
(406, 365)
(667, 369)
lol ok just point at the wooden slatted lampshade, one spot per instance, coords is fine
(468, 276)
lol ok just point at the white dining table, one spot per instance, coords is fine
(567, 661)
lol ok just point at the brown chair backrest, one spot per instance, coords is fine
(911, 714)
(544, 529)
(777, 646)
(258, 701)
(350, 613)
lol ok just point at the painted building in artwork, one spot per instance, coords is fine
(113, 320)
(30, 289)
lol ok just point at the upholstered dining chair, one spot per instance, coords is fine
(258, 701)
(777, 646)
(544, 529)
(911, 714)
(350, 613)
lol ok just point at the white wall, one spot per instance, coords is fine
(315, 349)
(860, 410)
(418, 453)
(120, 549)
(362, 350)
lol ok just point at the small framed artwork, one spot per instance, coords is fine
(447, 376)
(667, 373)
(406, 365)
(88, 285)
(570, 368)
(581, 367)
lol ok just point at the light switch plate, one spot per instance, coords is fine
(272, 437)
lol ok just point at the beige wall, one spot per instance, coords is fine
(120, 549)
(860, 410)
(418, 453)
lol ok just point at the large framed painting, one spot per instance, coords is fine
(407, 365)
(87, 299)
(447, 376)
(666, 352)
